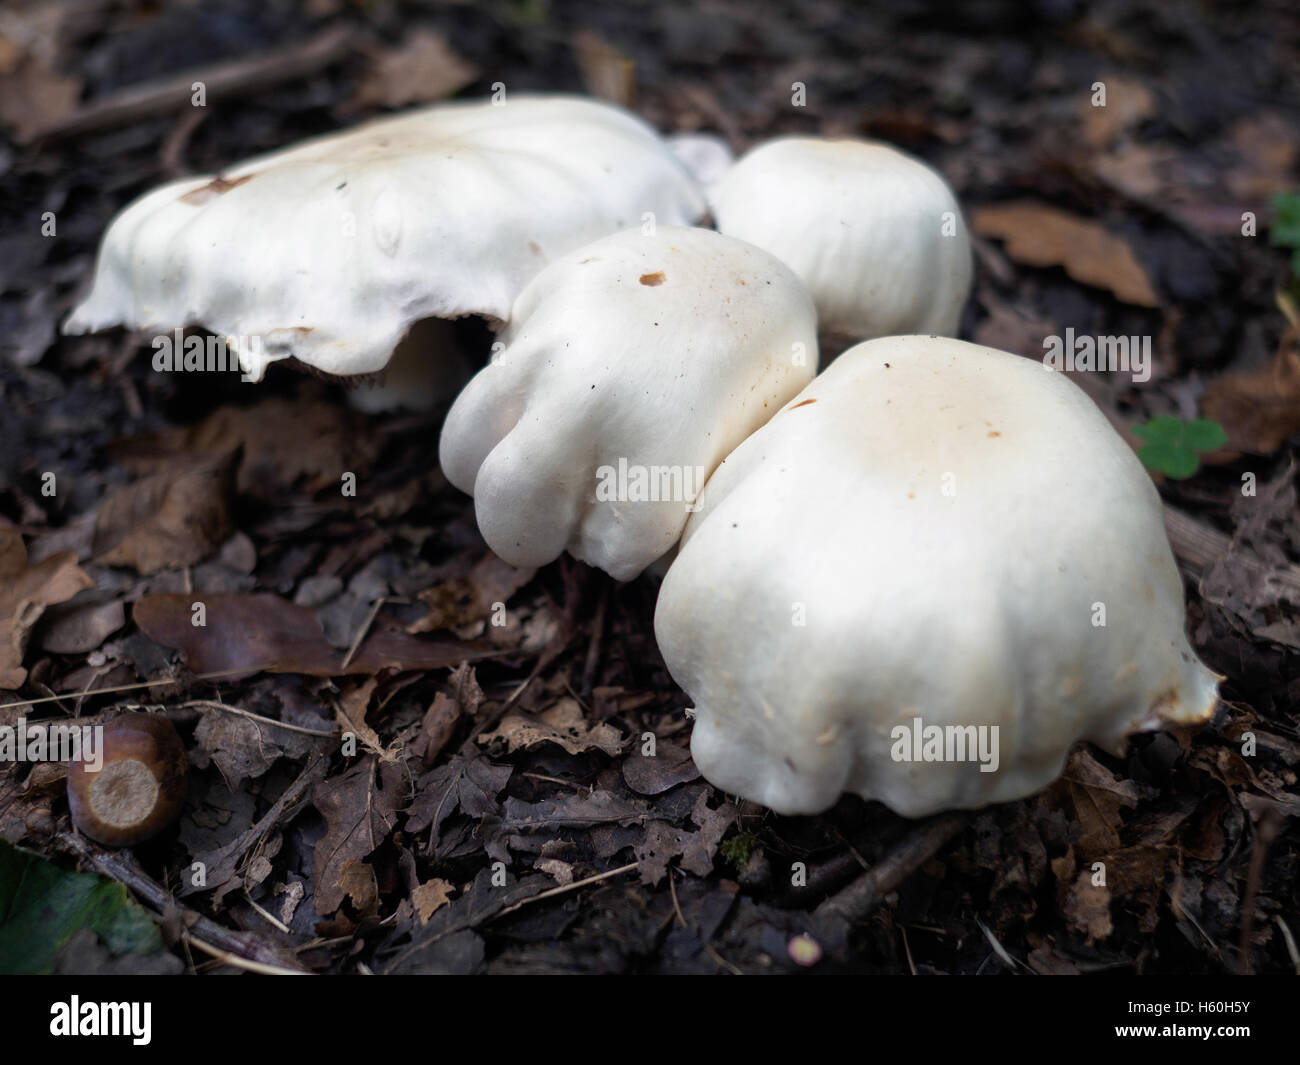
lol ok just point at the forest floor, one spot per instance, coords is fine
(500, 813)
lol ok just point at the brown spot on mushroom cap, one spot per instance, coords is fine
(994, 433)
(803, 404)
(657, 278)
(213, 189)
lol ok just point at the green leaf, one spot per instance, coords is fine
(1285, 230)
(1176, 462)
(1161, 430)
(1203, 435)
(42, 905)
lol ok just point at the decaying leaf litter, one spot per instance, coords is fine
(524, 744)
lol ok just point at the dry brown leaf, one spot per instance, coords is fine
(25, 592)
(436, 729)
(325, 443)
(173, 518)
(350, 713)
(606, 71)
(264, 633)
(358, 882)
(360, 809)
(1039, 235)
(33, 98)
(1266, 146)
(422, 69)
(1098, 796)
(1259, 409)
(430, 897)
(463, 601)
(1128, 102)
(562, 724)
(1087, 907)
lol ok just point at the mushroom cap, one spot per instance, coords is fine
(945, 519)
(329, 250)
(876, 235)
(635, 353)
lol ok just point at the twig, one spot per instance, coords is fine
(221, 80)
(563, 889)
(361, 634)
(593, 648)
(866, 893)
(135, 687)
(1200, 545)
(195, 704)
(202, 932)
(1266, 832)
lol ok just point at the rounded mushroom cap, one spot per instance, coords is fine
(331, 249)
(876, 235)
(931, 530)
(632, 367)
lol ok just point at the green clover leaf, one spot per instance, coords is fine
(1172, 444)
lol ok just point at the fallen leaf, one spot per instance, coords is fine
(606, 72)
(468, 784)
(360, 810)
(1266, 146)
(422, 69)
(1128, 102)
(562, 724)
(1098, 797)
(327, 441)
(77, 627)
(1259, 409)
(25, 593)
(241, 748)
(1087, 907)
(246, 634)
(436, 728)
(358, 883)
(1039, 235)
(460, 602)
(176, 517)
(430, 897)
(669, 766)
(33, 98)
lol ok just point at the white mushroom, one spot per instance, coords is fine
(631, 368)
(933, 541)
(706, 155)
(876, 235)
(330, 250)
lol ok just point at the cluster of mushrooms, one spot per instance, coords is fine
(927, 530)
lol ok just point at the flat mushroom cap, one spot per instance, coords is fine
(932, 530)
(876, 235)
(331, 249)
(652, 355)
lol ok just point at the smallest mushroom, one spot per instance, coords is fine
(135, 787)
(876, 235)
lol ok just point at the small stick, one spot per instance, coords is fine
(134, 687)
(204, 933)
(361, 634)
(866, 893)
(221, 80)
(196, 704)
(563, 889)
(1266, 832)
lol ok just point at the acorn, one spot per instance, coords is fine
(135, 788)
